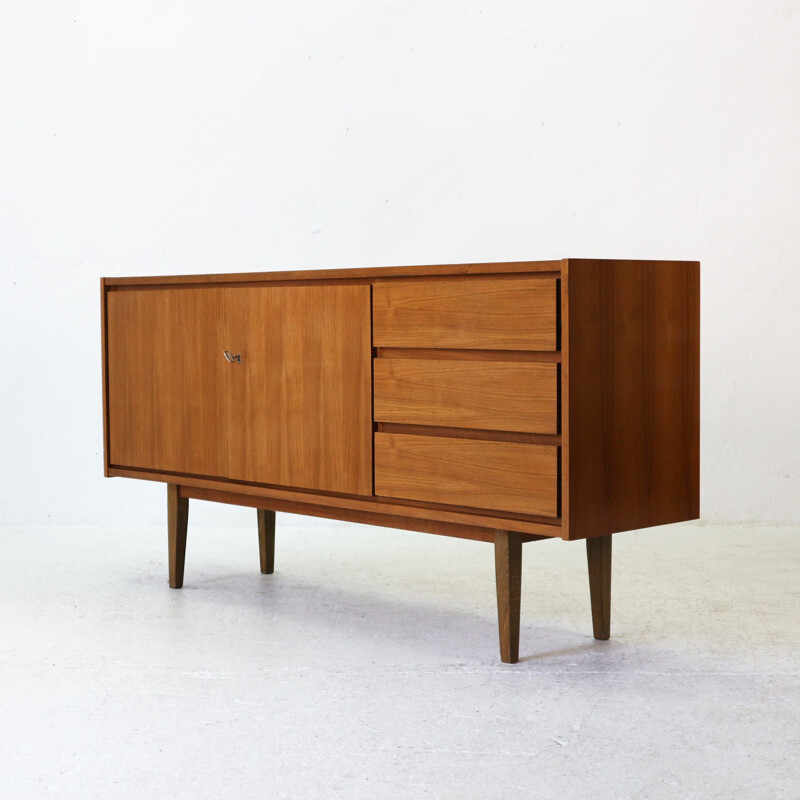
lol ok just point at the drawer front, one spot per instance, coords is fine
(502, 476)
(476, 314)
(485, 395)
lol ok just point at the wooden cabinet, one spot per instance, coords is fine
(504, 403)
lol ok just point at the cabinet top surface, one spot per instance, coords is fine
(353, 273)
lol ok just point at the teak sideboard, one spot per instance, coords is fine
(503, 403)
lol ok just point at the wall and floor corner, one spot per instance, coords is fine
(154, 138)
(151, 139)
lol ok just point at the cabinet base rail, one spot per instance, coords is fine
(507, 554)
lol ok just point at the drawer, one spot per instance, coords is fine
(502, 476)
(485, 395)
(475, 314)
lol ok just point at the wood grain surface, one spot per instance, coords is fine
(300, 400)
(468, 472)
(295, 410)
(423, 524)
(508, 577)
(488, 395)
(270, 495)
(104, 367)
(347, 273)
(468, 433)
(177, 527)
(511, 314)
(266, 540)
(166, 380)
(439, 353)
(629, 390)
(598, 556)
(631, 393)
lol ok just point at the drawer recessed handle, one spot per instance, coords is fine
(230, 357)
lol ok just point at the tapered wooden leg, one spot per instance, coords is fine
(508, 571)
(177, 521)
(598, 552)
(266, 540)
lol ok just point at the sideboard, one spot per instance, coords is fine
(503, 402)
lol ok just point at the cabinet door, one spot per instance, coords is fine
(299, 401)
(166, 376)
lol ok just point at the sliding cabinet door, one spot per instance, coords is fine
(299, 400)
(166, 380)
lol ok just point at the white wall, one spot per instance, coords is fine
(169, 137)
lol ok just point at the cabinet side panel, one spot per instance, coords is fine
(104, 356)
(633, 400)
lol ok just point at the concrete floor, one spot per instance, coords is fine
(367, 667)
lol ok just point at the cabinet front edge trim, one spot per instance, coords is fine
(375, 505)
